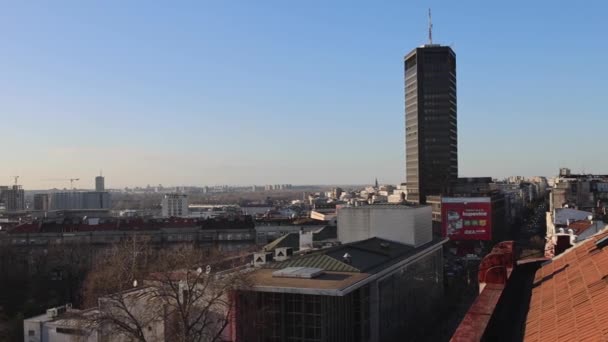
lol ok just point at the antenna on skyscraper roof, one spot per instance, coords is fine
(430, 28)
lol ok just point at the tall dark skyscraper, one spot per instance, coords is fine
(430, 121)
(99, 183)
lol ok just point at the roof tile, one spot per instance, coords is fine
(570, 298)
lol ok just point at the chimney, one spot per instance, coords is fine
(572, 236)
(306, 240)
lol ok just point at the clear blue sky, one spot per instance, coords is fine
(243, 92)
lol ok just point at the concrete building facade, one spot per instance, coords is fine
(401, 223)
(100, 184)
(12, 198)
(79, 200)
(41, 202)
(175, 205)
(431, 140)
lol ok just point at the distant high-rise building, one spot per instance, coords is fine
(79, 200)
(12, 197)
(41, 202)
(430, 121)
(99, 183)
(175, 205)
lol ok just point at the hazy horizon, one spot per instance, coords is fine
(301, 93)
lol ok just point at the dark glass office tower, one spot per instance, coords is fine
(431, 143)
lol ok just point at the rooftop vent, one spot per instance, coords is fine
(262, 258)
(385, 245)
(298, 272)
(347, 258)
(283, 253)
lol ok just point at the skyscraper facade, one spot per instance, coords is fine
(430, 121)
(99, 183)
(12, 198)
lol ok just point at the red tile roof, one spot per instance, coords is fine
(570, 296)
(580, 226)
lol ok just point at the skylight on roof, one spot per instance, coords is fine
(298, 272)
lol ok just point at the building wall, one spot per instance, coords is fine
(175, 205)
(409, 225)
(13, 198)
(35, 330)
(41, 202)
(278, 317)
(60, 333)
(409, 298)
(79, 200)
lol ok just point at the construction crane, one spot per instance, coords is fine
(72, 180)
(16, 178)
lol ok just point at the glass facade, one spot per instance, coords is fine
(402, 308)
(276, 317)
(410, 297)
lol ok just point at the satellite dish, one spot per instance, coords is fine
(134, 283)
(199, 270)
(208, 269)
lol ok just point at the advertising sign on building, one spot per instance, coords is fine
(466, 218)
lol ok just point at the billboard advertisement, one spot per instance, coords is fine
(466, 218)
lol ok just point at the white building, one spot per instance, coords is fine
(175, 205)
(64, 324)
(54, 326)
(406, 224)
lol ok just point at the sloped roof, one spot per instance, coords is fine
(288, 240)
(580, 226)
(322, 261)
(570, 296)
(370, 256)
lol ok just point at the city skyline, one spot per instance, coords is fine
(311, 95)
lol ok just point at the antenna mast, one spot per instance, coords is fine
(430, 28)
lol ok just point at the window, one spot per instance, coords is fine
(31, 333)
(70, 331)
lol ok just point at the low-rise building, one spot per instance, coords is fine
(59, 325)
(175, 205)
(403, 223)
(371, 290)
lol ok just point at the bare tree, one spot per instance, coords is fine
(178, 294)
